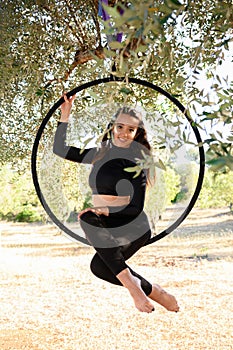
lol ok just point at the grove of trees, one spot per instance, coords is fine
(18, 201)
(48, 46)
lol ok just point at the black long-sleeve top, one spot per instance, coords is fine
(108, 175)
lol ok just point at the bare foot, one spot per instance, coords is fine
(163, 298)
(141, 301)
(133, 284)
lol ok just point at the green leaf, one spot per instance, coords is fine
(85, 144)
(174, 3)
(148, 28)
(115, 45)
(136, 168)
(176, 123)
(216, 163)
(93, 94)
(160, 165)
(126, 91)
(219, 133)
(39, 92)
(229, 162)
(111, 11)
(137, 174)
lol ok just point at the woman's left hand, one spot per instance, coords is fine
(66, 108)
(96, 210)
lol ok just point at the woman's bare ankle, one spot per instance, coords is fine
(129, 281)
(133, 284)
(163, 298)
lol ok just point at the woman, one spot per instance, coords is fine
(116, 226)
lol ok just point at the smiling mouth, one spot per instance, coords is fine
(122, 140)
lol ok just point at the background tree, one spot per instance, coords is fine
(160, 195)
(188, 173)
(18, 200)
(217, 191)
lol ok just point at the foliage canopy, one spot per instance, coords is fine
(52, 45)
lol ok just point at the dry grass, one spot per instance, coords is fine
(51, 301)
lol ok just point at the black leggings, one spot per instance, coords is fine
(110, 261)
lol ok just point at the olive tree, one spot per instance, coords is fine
(49, 46)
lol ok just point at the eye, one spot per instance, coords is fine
(131, 130)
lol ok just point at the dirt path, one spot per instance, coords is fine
(51, 301)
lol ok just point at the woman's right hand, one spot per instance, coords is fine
(96, 210)
(66, 108)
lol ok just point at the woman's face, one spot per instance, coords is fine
(124, 130)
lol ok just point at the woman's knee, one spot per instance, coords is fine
(90, 220)
(97, 267)
(100, 270)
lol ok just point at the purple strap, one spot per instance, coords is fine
(102, 13)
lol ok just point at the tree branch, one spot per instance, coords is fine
(79, 26)
(62, 20)
(94, 5)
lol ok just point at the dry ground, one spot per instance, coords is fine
(51, 301)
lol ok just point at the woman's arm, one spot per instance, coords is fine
(74, 154)
(60, 147)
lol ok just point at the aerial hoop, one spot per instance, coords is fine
(138, 82)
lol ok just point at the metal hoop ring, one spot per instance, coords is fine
(134, 81)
